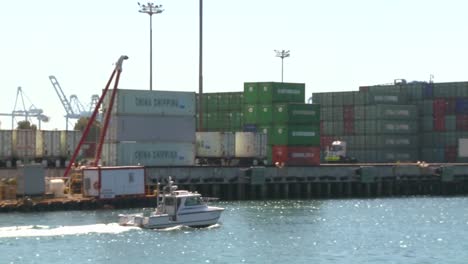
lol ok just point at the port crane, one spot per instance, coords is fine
(20, 110)
(74, 109)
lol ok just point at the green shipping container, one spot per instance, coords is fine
(408, 112)
(274, 92)
(223, 101)
(386, 98)
(264, 114)
(296, 114)
(391, 127)
(296, 135)
(250, 114)
(250, 93)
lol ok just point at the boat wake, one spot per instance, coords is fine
(47, 231)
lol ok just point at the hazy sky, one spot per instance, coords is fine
(336, 45)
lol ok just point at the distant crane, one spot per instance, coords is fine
(27, 113)
(74, 109)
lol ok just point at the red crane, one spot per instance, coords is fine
(117, 70)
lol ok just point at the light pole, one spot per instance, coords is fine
(282, 54)
(200, 71)
(150, 9)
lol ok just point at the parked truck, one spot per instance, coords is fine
(336, 153)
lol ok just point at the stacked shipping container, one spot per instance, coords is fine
(292, 127)
(222, 112)
(50, 147)
(150, 128)
(398, 122)
(378, 126)
(443, 117)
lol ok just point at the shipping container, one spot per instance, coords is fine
(296, 135)
(250, 93)
(215, 144)
(402, 112)
(296, 113)
(111, 182)
(250, 145)
(149, 154)
(251, 114)
(24, 143)
(391, 126)
(274, 92)
(30, 180)
(386, 98)
(265, 114)
(296, 156)
(48, 144)
(69, 142)
(151, 128)
(6, 143)
(144, 102)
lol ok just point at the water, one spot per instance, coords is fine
(402, 230)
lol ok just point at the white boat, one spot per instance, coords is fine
(174, 208)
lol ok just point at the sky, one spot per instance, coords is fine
(335, 45)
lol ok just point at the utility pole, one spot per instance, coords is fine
(282, 54)
(200, 69)
(151, 9)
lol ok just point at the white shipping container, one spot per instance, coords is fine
(251, 145)
(463, 147)
(215, 144)
(151, 128)
(69, 141)
(148, 154)
(48, 143)
(6, 143)
(24, 143)
(144, 102)
(109, 182)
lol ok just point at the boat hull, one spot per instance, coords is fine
(157, 221)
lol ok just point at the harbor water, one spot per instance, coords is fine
(392, 230)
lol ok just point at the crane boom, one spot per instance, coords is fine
(63, 99)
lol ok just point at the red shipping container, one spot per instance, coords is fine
(296, 156)
(439, 107)
(364, 88)
(348, 112)
(439, 124)
(451, 106)
(349, 127)
(462, 122)
(451, 153)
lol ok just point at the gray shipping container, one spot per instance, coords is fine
(251, 145)
(151, 128)
(215, 144)
(149, 154)
(144, 102)
(48, 143)
(24, 143)
(30, 180)
(6, 143)
(69, 141)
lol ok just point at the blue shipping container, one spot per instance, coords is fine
(428, 90)
(461, 106)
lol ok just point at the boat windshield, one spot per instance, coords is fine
(192, 201)
(170, 201)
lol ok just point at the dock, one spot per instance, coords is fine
(264, 183)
